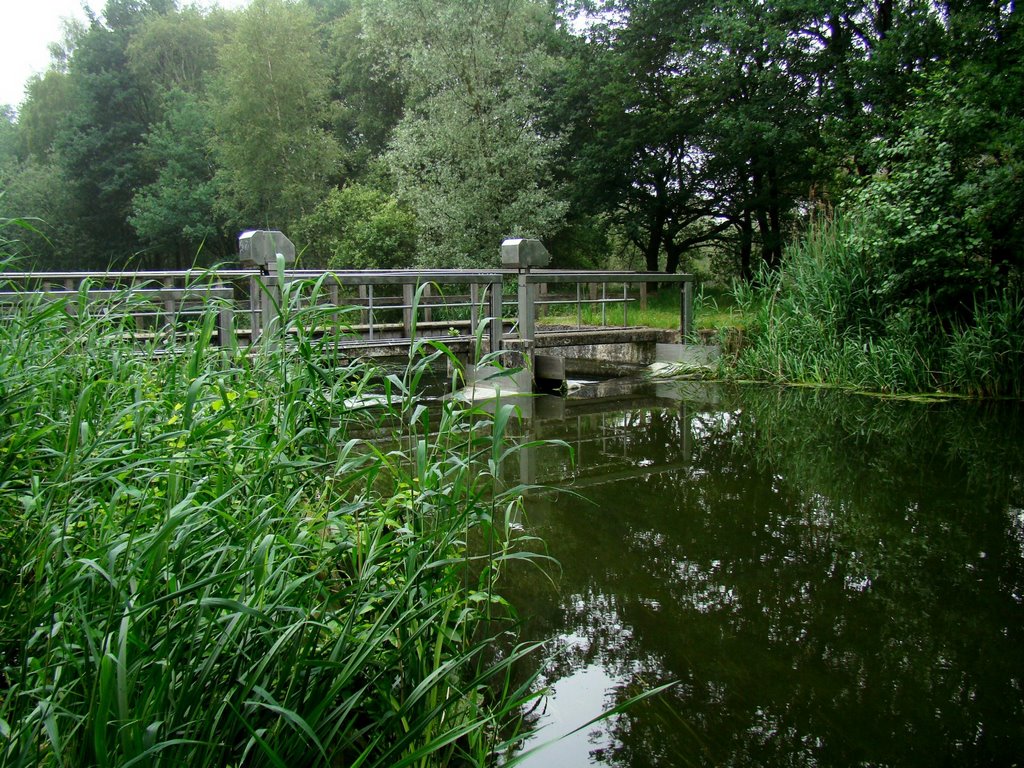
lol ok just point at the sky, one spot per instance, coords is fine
(29, 26)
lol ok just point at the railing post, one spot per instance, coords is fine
(686, 313)
(497, 321)
(527, 308)
(255, 315)
(369, 309)
(225, 324)
(407, 294)
(271, 296)
(474, 309)
(363, 296)
(171, 321)
(428, 314)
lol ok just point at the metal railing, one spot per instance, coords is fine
(533, 296)
(388, 304)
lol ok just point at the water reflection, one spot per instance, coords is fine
(833, 580)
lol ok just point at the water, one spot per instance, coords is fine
(830, 580)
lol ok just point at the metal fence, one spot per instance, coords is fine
(368, 306)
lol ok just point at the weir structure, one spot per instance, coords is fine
(546, 324)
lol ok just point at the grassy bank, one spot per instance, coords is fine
(201, 563)
(713, 308)
(824, 318)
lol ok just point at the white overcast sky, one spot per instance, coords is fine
(29, 26)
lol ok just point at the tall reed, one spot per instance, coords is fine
(821, 319)
(203, 563)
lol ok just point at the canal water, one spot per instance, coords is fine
(826, 579)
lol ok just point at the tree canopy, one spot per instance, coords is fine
(666, 134)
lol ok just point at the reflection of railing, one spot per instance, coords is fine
(603, 448)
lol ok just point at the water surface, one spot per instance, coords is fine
(831, 580)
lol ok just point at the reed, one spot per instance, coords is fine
(822, 320)
(204, 563)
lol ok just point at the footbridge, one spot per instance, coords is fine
(552, 324)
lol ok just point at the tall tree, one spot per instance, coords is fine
(99, 147)
(469, 155)
(276, 160)
(175, 215)
(699, 123)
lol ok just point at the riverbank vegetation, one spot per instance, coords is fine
(219, 558)
(645, 134)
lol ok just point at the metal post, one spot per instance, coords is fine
(526, 306)
(363, 313)
(369, 308)
(407, 294)
(604, 304)
(271, 295)
(225, 325)
(169, 308)
(579, 306)
(497, 321)
(255, 315)
(686, 313)
(428, 313)
(625, 305)
(474, 309)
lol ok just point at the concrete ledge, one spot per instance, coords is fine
(697, 355)
(592, 336)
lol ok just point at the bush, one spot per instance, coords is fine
(358, 227)
(822, 318)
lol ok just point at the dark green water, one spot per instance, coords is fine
(832, 580)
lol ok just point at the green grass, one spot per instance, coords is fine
(203, 563)
(822, 320)
(714, 308)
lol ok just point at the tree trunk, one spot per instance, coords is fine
(746, 228)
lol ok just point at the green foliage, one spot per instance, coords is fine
(275, 160)
(358, 227)
(42, 189)
(469, 156)
(205, 561)
(176, 51)
(177, 213)
(823, 319)
(944, 217)
(48, 101)
(98, 146)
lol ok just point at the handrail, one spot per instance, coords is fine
(256, 294)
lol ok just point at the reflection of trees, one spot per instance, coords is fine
(832, 580)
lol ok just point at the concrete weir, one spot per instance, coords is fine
(601, 352)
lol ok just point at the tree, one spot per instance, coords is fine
(275, 159)
(49, 100)
(469, 156)
(358, 227)
(690, 119)
(367, 97)
(945, 218)
(99, 145)
(176, 50)
(633, 144)
(176, 214)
